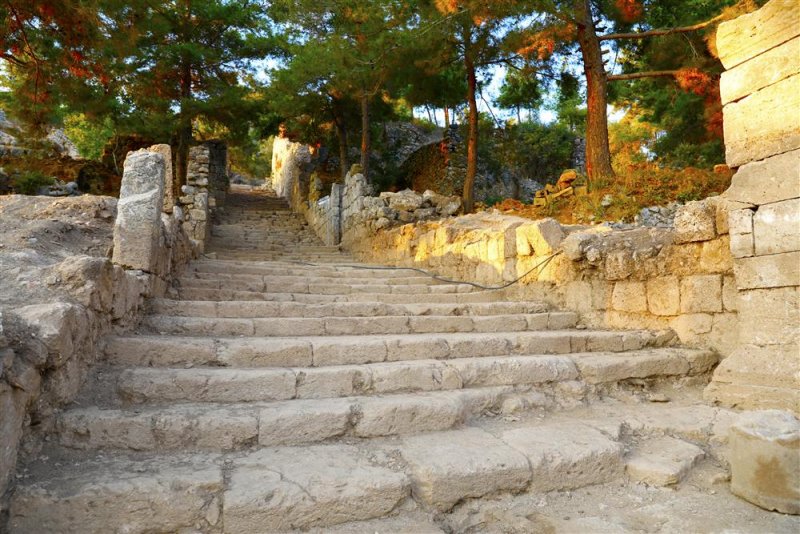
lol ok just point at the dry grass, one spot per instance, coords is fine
(638, 186)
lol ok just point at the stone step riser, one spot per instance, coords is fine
(166, 351)
(338, 326)
(309, 298)
(260, 309)
(322, 287)
(221, 385)
(231, 427)
(277, 269)
(229, 278)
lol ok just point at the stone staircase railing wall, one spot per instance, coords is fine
(760, 93)
(46, 349)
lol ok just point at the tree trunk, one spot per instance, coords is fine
(184, 131)
(519, 115)
(468, 197)
(446, 117)
(366, 142)
(598, 154)
(341, 134)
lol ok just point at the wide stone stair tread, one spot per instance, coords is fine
(195, 293)
(317, 351)
(282, 488)
(242, 384)
(258, 309)
(320, 287)
(336, 326)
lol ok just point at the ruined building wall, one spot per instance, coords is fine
(761, 96)
(49, 337)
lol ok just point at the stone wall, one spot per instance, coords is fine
(206, 187)
(760, 92)
(51, 331)
(681, 278)
(291, 172)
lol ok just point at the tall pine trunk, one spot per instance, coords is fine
(184, 132)
(366, 141)
(446, 117)
(468, 197)
(341, 134)
(598, 154)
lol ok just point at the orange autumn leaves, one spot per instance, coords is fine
(542, 44)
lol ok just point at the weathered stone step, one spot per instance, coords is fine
(337, 326)
(319, 351)
(312, 278)
(269, 490)
(257, 309)
(295, 269)
(228, 427)
(158, 385)
(321, 286)
(195, 293)
(274, 256)
(293, 248)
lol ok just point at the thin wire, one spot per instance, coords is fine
(435, 276)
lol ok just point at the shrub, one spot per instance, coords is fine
(29, 182)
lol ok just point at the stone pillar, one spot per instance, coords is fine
(169, 196)
(761, 96)
(137, 229)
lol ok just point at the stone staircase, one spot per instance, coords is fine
(284, 386)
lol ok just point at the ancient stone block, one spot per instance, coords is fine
(690, 326)
(730, 295)
(629, 297)
(748, 36)
(770, 316)
(539, 238)
(169, 195)
(578, 296)
(740, 224)
(702, 293)
(662, 461)
(137, 228)
(775, 270)
(766, 69)
(759, 125)
(764, 459)
(715, 256)
(663, 295)
(771, 180)
(695, 221)
(776, 227)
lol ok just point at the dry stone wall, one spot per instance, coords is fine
(49, 334)
(679, 278)
(205, 190)
(761, 96)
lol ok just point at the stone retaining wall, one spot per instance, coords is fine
(760, 93)
(679, 278)
(48, 346)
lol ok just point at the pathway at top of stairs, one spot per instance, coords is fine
(282, 386)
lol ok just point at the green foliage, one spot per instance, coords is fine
(520, 90)
(702, 155)
(29, 182)
(89, 136)
(537, 151)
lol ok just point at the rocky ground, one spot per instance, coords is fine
(38, 233)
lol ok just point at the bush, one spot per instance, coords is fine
(89, 136)
(28, 183)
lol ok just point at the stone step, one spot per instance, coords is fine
(278, 489)
(293, 248)
(239, 426)
(357, 270)
(195, 293)
(320, 287)
(319, 351)
(312, 278)
(257, 309)
(212, 384)
(337, 326)
(269, 490)
(249, 256)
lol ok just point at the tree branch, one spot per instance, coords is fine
(664, 31)
(646, 74)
